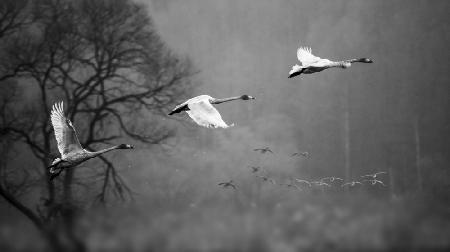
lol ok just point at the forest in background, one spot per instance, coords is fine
(388, 116)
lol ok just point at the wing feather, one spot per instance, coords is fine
(65, 133)
(204, 114)
(305, 56)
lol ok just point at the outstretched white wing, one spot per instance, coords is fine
(65, 133)
(204, 114)
(305, 56)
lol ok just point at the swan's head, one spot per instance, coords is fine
(125, 146)
(247, 97)
(365, 60)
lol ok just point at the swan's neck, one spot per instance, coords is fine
(217, 101)
(355, 60)
(340, 64)
(100, 152)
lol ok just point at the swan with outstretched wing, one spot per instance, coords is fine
(72, 153)
(310, 63)
(202, 112)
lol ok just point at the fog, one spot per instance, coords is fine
(249, 47)
(391, 116)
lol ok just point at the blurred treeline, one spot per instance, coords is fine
(118, 79)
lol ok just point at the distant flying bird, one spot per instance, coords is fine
(72, 153)
(304, 154)
(331, 179)
(374, 181)
(292, 185)
(312, 64)
(201, 110)
(263, 150)
(374, 175)
(352, 183)
(228, 184)
(303, 181)
(265, 178)
(255, 168)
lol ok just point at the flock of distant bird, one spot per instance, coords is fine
(297, 183)
(200, 109)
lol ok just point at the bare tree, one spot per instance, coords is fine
(12, 18)
(106, 61)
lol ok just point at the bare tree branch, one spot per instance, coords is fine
(22, 208)
(105, 60)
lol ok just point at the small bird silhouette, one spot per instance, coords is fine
(374, 181)
(331, 179)
(265, 178)
(352, 183)
(228, 184)
(304, 154)
(292, 185)
(263, 150)
(374, 175)
(255, 168)
(303, 181)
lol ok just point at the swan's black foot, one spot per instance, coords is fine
(51, 169)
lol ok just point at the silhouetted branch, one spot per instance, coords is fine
(105, 60)
(22, 208)
(11, 16)
(114, 181)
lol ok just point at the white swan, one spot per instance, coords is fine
(352, 183)
(72, 153)
(200, 109)
(312, 64)
(374, 175)
(374, 181)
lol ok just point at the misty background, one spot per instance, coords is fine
(392, 115)
(247, 47)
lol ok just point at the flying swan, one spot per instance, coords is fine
(72, 153)
(201, 110)
(312, 64)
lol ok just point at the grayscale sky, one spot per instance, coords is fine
(249, 47)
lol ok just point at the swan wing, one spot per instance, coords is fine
(305, 56)
(182, 107)
(178, 108)
(204, 114)
(65, 133)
